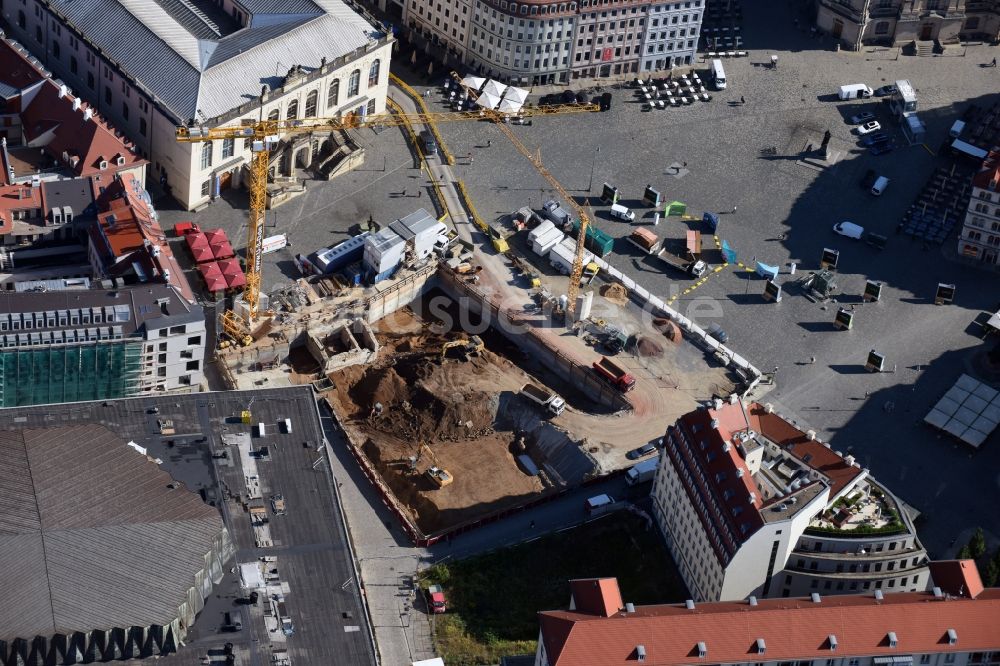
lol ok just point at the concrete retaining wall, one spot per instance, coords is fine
(580, 376)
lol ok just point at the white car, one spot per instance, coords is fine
(849, 229)
(869, 127)
(862, 118)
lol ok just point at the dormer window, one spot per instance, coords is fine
(761, 646)
(119, 160)
(892, 639)
(103, 164)
(702, 650)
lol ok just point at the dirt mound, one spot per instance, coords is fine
(649, 348)
(615, 293)
(669, 329)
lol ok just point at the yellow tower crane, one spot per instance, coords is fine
(576, 274)
(264, 134)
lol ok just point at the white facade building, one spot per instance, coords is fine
(750, 505)
(980, 237)
(149, 67)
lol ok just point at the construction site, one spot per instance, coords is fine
(470, 375)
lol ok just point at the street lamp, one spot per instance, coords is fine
(593, 165)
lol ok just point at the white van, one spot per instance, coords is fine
(622, 213)
(880, 184)
(718, 75)
(855, 91)
(598, 503)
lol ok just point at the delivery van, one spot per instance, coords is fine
(855, 91)
(622, 213)
(880, 184)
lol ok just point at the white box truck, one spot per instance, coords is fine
(643, 471)
(855, 91)
(550, 401)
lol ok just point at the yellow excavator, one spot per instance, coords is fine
(471, 347)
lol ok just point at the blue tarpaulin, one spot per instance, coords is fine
(728, 253)
(766, 271)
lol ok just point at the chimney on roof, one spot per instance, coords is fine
(88, 114)
(811, 435)
(63, 90)
(717, 403)
(878, 595)
(849, 460)
(768, 408)
(715, 424)
(629, 607)
(76, 104)
(816, 598)
(832, 640)
(753, 600)
(938, 594)
(689, 604)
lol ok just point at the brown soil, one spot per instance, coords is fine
(615, 293)
(670, 330)
(451, 407)
(649, 348)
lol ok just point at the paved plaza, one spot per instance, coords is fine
(784, 213)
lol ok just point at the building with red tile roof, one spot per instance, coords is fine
(49, 134)
(127, 241)
(749, 503)
(957, 577)
(930, 628)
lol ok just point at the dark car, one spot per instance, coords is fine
(877, 137)
(882, 148)
(717, 332)
(885, 91)
(643, 450)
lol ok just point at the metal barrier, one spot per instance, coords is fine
(422, 107)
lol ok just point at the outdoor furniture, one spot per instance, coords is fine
(661, 105)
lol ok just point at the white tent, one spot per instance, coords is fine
(489, 101)
(494, 88)
(518, 95)
(474, 82)
(509, 106)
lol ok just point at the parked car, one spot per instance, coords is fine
(882, 148)
(717, 332)
(869, 127)
(849, 229)
(875, 138)
(885, 91)
(862, 118)
(643, 450)
(868, 180)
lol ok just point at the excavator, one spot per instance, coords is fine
(469, 348)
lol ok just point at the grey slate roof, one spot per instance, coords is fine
(178, 57)
(90, 535)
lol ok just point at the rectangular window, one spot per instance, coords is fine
(228, 148)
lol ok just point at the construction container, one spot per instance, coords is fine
(562, 254)
(597, 241)
(335, 258)
(420, 231)
(353, 274)
(542, 244)
(383, 252)
(542, 229)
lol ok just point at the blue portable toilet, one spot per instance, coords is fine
(712, 220)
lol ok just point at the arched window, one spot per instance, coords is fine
(333, 94)
(373, 73)
(311, 104)
(354, 84)
(293, 110)
(274, 115)
(206, 155)
(513, 8)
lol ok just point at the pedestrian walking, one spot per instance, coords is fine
(743, 99)
(812, 359)
(734, 210)
(994, 63)
(420, 194)
(489, 143)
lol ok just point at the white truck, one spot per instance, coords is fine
(550, 401)
(643, 471)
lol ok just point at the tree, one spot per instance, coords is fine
(977, 544)
(991, 572)
(964, 553)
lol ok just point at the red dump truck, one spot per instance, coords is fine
(615, 374)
